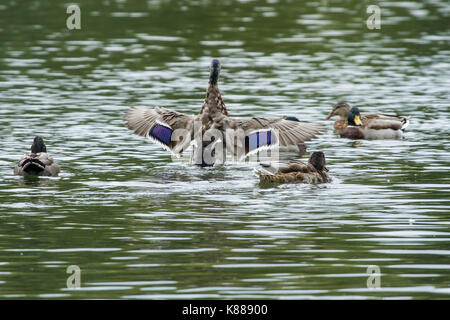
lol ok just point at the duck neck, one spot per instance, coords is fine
(213, 103)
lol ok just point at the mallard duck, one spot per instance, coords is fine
(372, 129)
(382, 126)
(213, 132)
(37, 162)
(315, 171)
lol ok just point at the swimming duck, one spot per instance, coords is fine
(342, 109)
(315, 171)
(385, 127)
(212, 132)
(37, 162)
(379, 121)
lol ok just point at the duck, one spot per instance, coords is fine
(371, 126)
(213, 132)
(314, 171)
(37, 161)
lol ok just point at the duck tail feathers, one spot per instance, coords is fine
(405, 123)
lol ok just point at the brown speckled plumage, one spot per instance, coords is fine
(37, 162)
(315, 171)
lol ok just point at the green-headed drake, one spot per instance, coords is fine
(37, 162)
(212, 126)
(315, 171)
(368, 126)
(372, 128)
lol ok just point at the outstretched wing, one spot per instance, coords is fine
(169, 128)
(263, 132)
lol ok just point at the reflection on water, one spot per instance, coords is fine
(140, 225)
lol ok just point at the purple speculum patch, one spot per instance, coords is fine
(259, 139)
(161, 133)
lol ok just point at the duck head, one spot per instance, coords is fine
(317, 159)
(340, 109)
(214, 71)
(38, 145)
(354, 117)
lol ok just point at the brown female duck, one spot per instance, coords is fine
(315, 171)
(212, 127)
(37, 162)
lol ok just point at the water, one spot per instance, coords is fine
(140, 225)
